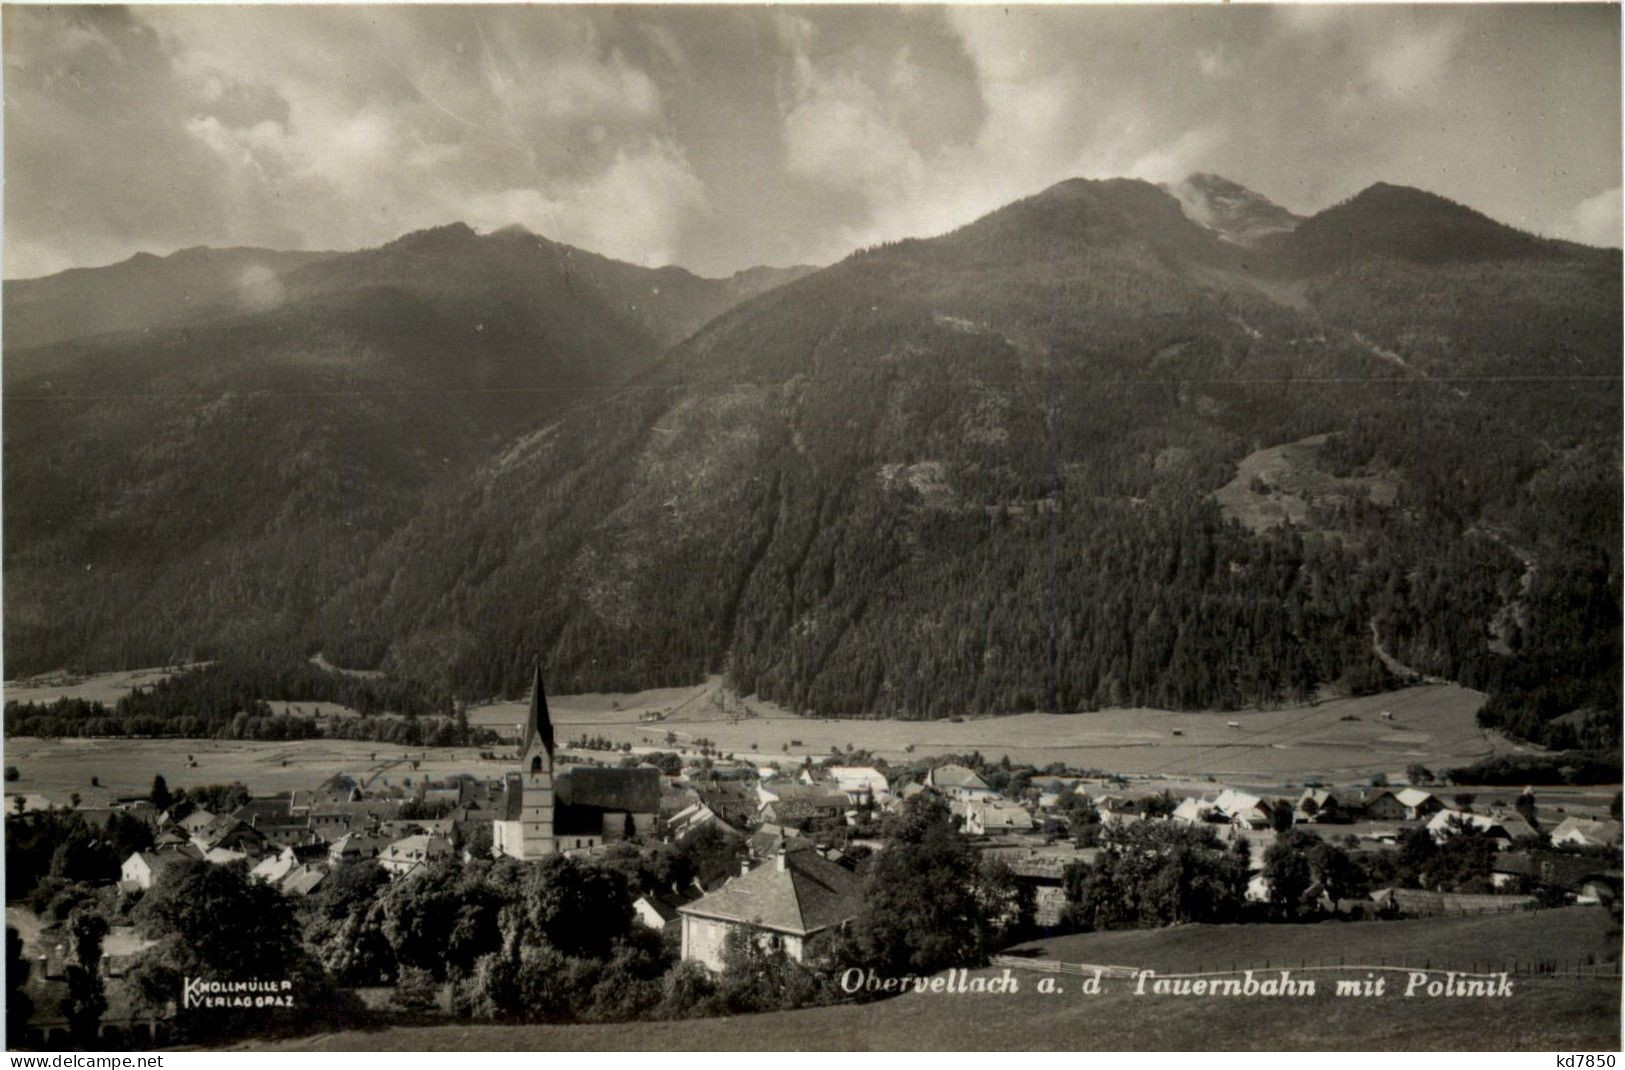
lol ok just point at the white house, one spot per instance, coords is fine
(1501, 826)
(414, 854)
(988, 817)
(782, 904)
(1242, 809)
(1586, 832)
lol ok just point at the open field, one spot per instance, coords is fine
(1336, 740)
(1288, 478)
(103, 687)
(1570, 935)
(56, 768)
(1545, 1013)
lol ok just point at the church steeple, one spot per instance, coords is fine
(538, 725)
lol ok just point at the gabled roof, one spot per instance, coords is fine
(1412, 797)
(1592, 830)
(798, 893)
(955, 776)
(1231, 802)
(303, 881)
(665, 910)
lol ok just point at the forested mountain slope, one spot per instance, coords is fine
(975, 473)
(203, 465)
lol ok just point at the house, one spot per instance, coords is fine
(769, 840)
(861, 783)
(653, 913)
(691, 819)
(800, 805)
(1193, 811)
(989, 817)
(781, 905)
(303, 880)
(1505, 826)
(227, 833)
(412, 855)
(273, 869)
(1405, 804)
(1585, 832)
(1244, 810)
(1321, 806)
(356, 846)
(196, 821)
(957, 781)
(734, 801)
(144, 868)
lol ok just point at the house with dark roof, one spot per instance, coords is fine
(782, 905)
(143, 868)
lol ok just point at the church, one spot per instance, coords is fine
(544, 810)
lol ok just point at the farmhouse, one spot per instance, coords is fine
(1583, 832)
(1243, 810)
(143, 868)
(414, 854)
(781, 905)
(1193, 811)
(1406, 804)
(800, 805)
(1502, 826)
(956, 781)
(861, 783)
(988, 817)
(691, 819)
(653, 913)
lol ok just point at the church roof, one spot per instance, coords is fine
(539, 722)
(580, 789)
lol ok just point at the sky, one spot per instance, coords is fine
(718, 139)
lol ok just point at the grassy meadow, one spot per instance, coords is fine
(1545, 1013)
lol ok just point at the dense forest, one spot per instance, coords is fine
(227, 700)
(973, 474)
(977, 473)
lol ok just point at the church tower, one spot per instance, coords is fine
(528, 834)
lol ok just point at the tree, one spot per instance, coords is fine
(160, 793)
(1157, 873)
(19, 1008)
(183, 912)
(1287, 870)
(13, 774)
(1417, 773)
(922, 906)
(1525, 805)
(86, 1000)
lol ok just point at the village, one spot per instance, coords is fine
(774, 857)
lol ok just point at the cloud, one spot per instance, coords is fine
(1412, 63)
(636, 210)
(1597, 220)
(721, 137)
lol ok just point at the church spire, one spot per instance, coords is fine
(539, 724)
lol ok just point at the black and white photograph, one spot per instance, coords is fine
(876, 527)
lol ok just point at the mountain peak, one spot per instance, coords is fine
(1231, 210)
(448, 236)
(1405, 223)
